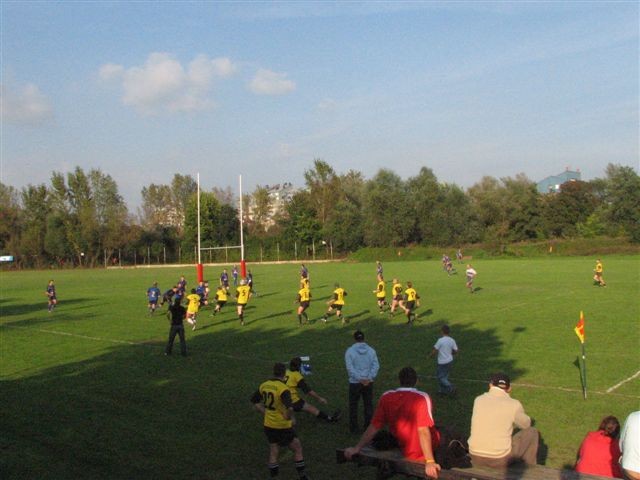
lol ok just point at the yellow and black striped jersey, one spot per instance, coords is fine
(304, 295)
(338, 296)
(242, 294)
(380, 293)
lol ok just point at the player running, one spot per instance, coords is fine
(597, 274)
(243, 293)
(380, 293)
(221, 299)
(412, 300)
(296, 381)
(192, 307)
(336, 303)
(471, 275)
(396, 295)
(202, 290)
(224, 279)
(304, 300)
(52, 299)
(168, 296)
(153, 295)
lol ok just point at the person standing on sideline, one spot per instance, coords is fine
(176, 316)
(273, 400)
(362, 368)
(630, 446)
(445, 348)
(409, 414)
(243, 293)
(52, 299)
(495, 413)
(597, 274)
(471, 274)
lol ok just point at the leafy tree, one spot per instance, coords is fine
(10, 212)
(324, 187)
(424, 198)
(388, 219)
(34, 222)
(623, 200)
(260, 211)
(157, 206)
(300, 222)
(561, 212)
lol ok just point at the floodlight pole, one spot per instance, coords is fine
(243, 265)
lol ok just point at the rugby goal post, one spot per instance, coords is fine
(199, 265)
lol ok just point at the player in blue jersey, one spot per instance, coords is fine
(182, 286)
(224, 280)
(169, 295)
(52, 299)
(153, 295)
(202, 290)
(234, 274)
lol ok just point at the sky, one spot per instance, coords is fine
(144, 90)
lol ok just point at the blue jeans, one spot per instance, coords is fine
(442, 372)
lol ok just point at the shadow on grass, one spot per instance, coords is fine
(30, 308)
(132, 412)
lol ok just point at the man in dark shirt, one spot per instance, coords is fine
(176, 315)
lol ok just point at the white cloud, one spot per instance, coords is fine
(163, 84)
(267, 82)
(24, 106)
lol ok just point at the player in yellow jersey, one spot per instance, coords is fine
(273, 400)
(380, 293)
(193, 307)
(303, 299)
(296, 383)
(221, 299)
(243, 293)
(396, 296)
(336, 303)
(597, 274)
(412, 300)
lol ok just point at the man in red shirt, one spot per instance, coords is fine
(408, 412)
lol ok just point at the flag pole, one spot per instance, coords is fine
(584, 373)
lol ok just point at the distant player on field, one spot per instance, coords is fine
(396, 295)
(169, 295)
(412, 300)
(224, 279)
(304, 300)
(471, 275)
(193, 307)
(153, 295)
(296, 381)
(221, 299)
(234, 274)
(243, 293)
(380, 293)
(304, 273)
(336, 303)
(597, 274)
(52, 299)
(182, 286)
(378, 268)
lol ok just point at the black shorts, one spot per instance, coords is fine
(281, 436)
(304, 305)
(221, 304)
(410, 305)
(298, 406)
(398, 298)
(335, 306)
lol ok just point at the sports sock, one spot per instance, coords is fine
(274, 469)
(300, 468)
(323, 415)
(300, 319)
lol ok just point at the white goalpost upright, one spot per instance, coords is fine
(199, 265)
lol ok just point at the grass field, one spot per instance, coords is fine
(86, 391)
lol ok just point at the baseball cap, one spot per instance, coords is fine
(358, 336)
(500, 380)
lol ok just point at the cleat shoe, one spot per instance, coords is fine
(335, 416)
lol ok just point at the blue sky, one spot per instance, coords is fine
(147, 89)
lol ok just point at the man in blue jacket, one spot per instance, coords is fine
(362, 366)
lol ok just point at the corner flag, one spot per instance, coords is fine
(579, 328)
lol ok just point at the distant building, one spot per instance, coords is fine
(552, 184)
(280, 195)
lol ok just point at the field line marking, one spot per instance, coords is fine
(67, 334)
(635, 375)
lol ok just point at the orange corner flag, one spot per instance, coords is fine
(579, 329)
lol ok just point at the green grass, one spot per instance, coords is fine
(86, 392)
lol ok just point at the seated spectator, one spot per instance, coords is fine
(408, 413)
(630, 446)
(599, 452)
(494, 416)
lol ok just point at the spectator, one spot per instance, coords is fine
(176, 315)
(362, 366)
(630, 446)
(408, 412)
(599, 452)
(495, 414)
(445, 348)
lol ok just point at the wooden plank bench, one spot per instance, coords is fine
(391, 462)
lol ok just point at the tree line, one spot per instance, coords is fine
(81, 219)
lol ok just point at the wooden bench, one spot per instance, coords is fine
(391, 462)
